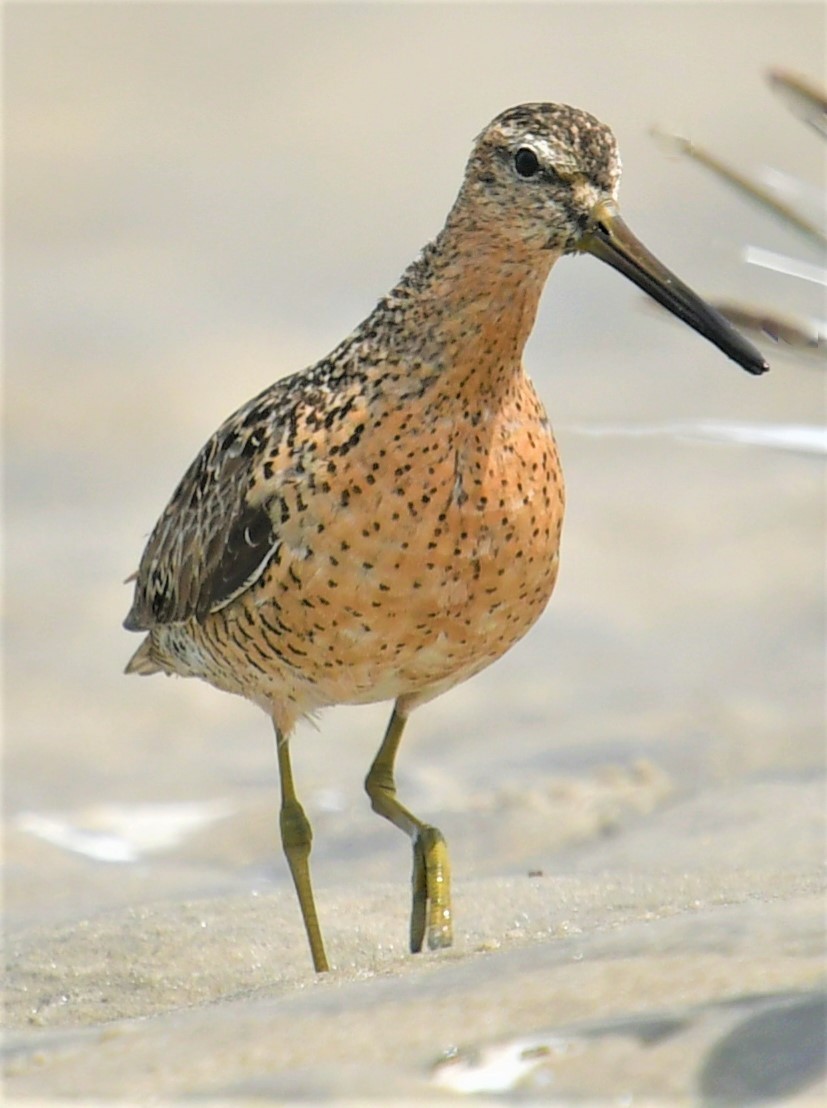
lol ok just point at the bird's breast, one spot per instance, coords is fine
(421, 558)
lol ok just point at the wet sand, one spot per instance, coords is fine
(634, 797)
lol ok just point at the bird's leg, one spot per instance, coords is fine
(296, 838)
(431, 911)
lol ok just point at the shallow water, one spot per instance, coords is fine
(191, 216)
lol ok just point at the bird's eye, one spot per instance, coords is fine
(526, 162)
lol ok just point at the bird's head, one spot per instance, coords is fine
(544, 178)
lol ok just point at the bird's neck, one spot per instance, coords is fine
(461, 314)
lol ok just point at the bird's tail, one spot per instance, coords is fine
(143, 660)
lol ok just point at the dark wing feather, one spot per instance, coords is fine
(215, 536)
(249, 545)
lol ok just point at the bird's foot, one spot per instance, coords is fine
(431, 912)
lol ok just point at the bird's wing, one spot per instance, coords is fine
(216, 535)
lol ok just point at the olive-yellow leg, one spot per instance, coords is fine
(431, 911)
(296, 839)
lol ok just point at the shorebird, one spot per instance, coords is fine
(386, 523)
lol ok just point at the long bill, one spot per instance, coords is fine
(610, 240)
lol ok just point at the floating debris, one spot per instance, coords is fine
(805, 100)
(801, 335)
(743, 184)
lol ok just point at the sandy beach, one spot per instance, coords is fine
(203, 198)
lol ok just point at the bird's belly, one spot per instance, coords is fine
(414, 590)
(428, 636)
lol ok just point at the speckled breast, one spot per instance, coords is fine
(432, 552)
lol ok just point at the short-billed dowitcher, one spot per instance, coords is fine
(386, 523)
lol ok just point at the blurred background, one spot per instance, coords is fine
(200, 198)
